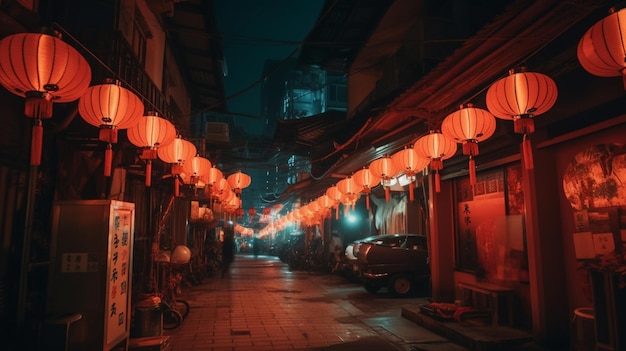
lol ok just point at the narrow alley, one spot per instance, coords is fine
(263, 305)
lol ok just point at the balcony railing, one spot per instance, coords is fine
(110, 56)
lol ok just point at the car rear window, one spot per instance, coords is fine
(404, 241)
(416, 243)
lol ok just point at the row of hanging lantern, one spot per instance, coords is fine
(226, 191)
(518, 97)
(43, 69)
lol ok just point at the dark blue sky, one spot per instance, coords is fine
(254, 31)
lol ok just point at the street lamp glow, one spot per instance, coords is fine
(352, 218)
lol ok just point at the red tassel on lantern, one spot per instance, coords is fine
(472, 170)
(108, 159)
(148, 172)
(527, 153)
(36, 143)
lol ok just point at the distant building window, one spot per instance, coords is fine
(337, 94)
(140, 37)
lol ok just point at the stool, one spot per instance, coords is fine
(57, 331)
(495, 293)
(583, 334)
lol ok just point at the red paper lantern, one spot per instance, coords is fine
(110, 107)
(520, 97)
(386, 170)
(435, 147)
(41, 68)
(349, 188)
(336, 196)
(196, 168)
(211, 177)
(326, 202)
(409, 163)
(367, 180)
(149, 134)
(468, 126)
(238, 181)
(602, 49)
(176, 153)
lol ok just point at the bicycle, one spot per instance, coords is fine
(173, 309)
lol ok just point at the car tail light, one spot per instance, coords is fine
(365, 251)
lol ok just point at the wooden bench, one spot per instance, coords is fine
(495, 293)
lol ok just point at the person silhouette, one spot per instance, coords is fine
(228, 250)
(336, 250)
(256, 247)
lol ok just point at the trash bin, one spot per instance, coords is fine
(147, 322)
(583, 328)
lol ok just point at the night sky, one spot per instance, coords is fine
(252, 32)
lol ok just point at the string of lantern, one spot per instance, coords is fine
(520, 97)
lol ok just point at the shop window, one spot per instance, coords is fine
(489, 229)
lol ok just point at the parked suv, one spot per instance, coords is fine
(397, 261)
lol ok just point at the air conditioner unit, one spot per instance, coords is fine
(217, 132)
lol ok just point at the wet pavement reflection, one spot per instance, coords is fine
(263, 305)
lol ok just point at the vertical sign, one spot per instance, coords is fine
(118, 275)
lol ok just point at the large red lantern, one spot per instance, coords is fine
(410, 163)
(326, 203)
(197, 167)
(350, 189)
(211, 177)
(367, 180)
(435, 147)
(149, 134)
(335, 195)
(238, 181)
(602, 49)
(110, 107)
(469, 126)
(41, 68)
(220, 188)
(386, 170)
(520, 97)
(176, 153)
